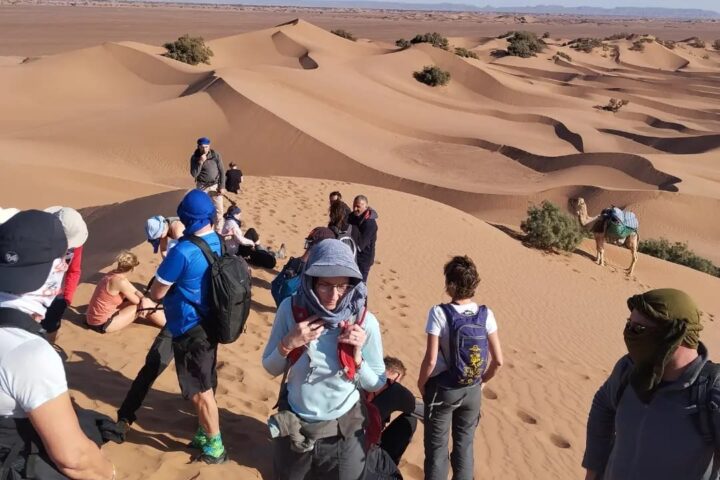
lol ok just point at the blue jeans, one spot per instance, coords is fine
(445, 410)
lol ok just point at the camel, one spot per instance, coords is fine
(598, 227)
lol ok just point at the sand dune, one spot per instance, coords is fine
(304, 112)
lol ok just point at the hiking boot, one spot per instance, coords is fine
(210, 460)
(281, 253)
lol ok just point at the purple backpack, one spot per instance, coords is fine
(468, 355)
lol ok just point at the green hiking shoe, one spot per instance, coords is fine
(199, 440)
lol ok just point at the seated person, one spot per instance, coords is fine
(247, 245)
(394, 397)
(116, 303)
(163, 233)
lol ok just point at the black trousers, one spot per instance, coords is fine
(397, 435)
(156, 361)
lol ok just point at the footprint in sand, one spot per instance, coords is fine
(489, 394)
(526, 417)
(559, 441)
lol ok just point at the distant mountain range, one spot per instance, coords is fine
(642, 12)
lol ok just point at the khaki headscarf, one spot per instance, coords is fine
(678, 322)
(671, 307)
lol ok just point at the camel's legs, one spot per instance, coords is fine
(632, 244)
(600, 247)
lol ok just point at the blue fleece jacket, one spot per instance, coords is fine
(317, 387)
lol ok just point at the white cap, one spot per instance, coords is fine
(75, 228)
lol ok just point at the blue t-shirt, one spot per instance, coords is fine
(186, 267)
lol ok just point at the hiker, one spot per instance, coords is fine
(207, 169)
(337, 197)
(233, 179)
(77, 233)
(116, 303)
(186, 270)
(163, 233)
(41, 435)
(330, 346)
(247, 245)
(656, 416)
(461, 335)
(341, 228)
(365, 219)
(394, 397)
(287, 281)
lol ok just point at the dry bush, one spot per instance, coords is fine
(190, 50)
(433, 76)
(344, 34)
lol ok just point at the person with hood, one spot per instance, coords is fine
(77, 233)
(186, 304)
(364, 219)
(40, 434)
(163, 233)
(329, 348)
(287, 281)
(206, 167)
(657, 415)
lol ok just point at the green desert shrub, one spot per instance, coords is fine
(695, 42)
(546, 35)
(344, 34)
(434, 39)
(677, 252)
(465, 53)
(187, 49)
(716, 44)
(618, 36)
(433, 76)
(637, 46)
(585, 44)
(549, 228)
(669, 44)
(402, 43)
(562, 55)
(524, 44)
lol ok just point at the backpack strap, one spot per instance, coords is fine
(11, 318)
(700, 395)
(210, 256)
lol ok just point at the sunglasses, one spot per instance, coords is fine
(636, 327)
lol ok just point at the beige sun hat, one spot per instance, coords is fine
(75, 228)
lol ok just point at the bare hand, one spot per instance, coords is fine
(305, 332)
(203, 157)
(353, 335)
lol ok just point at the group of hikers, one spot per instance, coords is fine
(342, 410)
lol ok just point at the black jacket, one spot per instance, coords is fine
(233, 178)
(368, 228)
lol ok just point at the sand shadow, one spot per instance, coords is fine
(259, 307)
(259, 282)
(165, 417)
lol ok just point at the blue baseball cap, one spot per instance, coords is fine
(203, 141)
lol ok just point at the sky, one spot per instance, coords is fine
(702, 4)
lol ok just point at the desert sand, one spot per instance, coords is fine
(108, 128)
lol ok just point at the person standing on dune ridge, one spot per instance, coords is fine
(207, 169)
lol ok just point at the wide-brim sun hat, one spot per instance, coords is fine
(75, 227)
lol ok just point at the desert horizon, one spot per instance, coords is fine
(96, 118)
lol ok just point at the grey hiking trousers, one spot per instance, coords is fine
(445, 410)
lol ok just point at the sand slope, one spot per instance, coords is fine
(560, 322)
(304, 112)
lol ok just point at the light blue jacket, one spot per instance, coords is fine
(317, 387)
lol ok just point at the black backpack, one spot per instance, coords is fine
(230, 285)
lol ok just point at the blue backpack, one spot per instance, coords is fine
(287, 282)
(468, 355)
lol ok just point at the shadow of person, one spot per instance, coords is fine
(259, 282)
(167, 421)
(259, 307)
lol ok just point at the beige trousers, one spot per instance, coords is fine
(217, 199)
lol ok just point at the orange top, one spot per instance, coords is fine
(102, 303)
